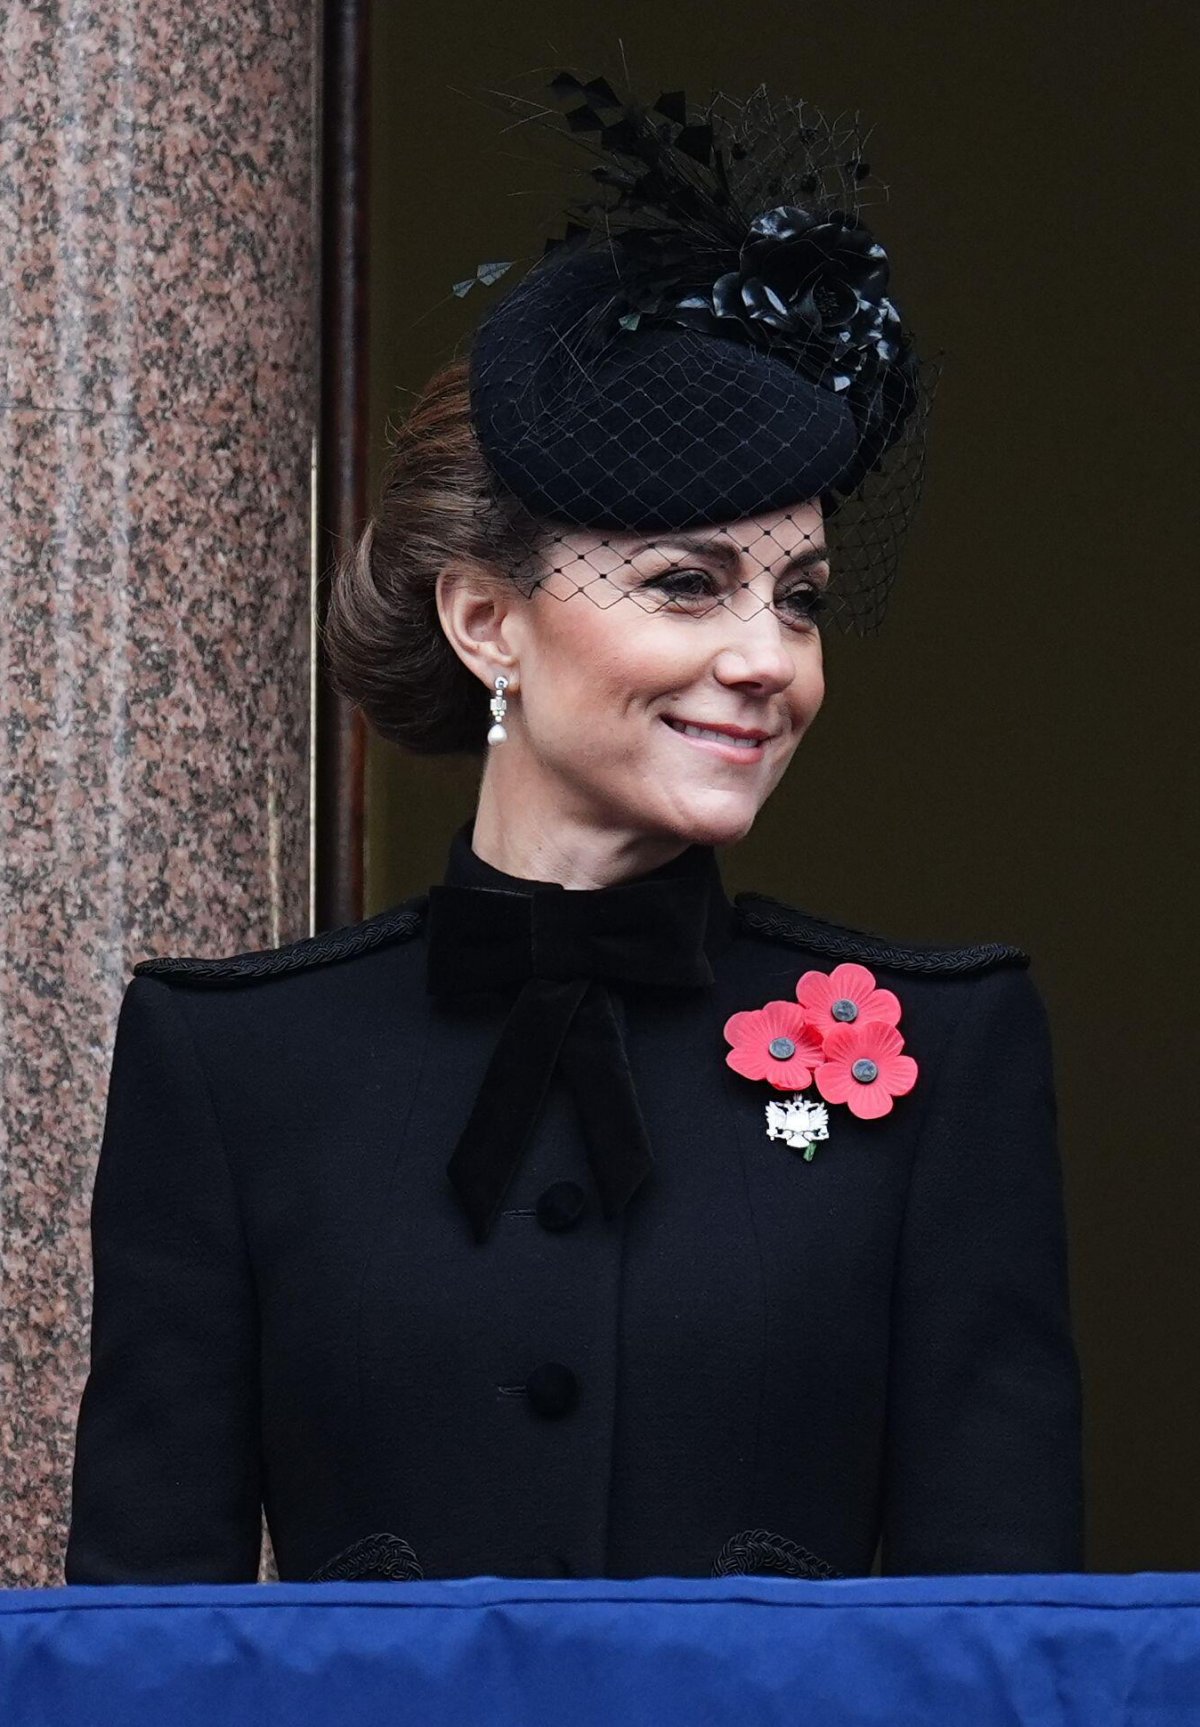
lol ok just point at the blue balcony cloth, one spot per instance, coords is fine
(1073, 1650)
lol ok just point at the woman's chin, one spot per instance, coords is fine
(715, 821)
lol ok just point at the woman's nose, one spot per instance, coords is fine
(755, 652)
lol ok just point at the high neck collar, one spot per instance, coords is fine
(465, 868)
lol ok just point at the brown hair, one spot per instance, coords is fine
(439, 504)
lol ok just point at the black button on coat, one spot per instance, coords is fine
(291, 1310)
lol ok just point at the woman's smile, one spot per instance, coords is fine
(724, 742)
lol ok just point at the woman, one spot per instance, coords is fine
(570, 1219)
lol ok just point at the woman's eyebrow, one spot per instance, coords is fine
(728, 555)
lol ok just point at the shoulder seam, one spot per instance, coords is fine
(776, 921)
(398, 923)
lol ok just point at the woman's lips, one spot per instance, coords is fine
(726, 747)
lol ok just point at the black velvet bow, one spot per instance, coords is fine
(560, 950)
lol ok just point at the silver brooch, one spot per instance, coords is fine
(799, 1122)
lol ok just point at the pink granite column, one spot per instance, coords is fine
(158, 339)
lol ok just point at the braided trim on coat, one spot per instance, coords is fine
(754, 1551)
(399, 923)
(381, 1558)
(762, 915)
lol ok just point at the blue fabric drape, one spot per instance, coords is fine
(1043, 1651)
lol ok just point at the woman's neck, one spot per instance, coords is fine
(544, 843)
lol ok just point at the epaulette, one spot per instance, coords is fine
(398, 923)
(774, 921)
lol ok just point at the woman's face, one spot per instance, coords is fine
(629, 646)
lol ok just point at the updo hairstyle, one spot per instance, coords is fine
(439, 505)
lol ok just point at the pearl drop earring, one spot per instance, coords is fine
(499, 707)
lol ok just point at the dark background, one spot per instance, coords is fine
(1011, 758)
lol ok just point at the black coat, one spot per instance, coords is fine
(762, 1362)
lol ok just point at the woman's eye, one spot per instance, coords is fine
(803, 602)
(683, 584)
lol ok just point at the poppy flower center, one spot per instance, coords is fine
(782, 1048)
(845, 1010)
(865, 1070)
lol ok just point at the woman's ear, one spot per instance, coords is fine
(477, 612)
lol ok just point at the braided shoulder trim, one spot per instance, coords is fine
(758, 1551)
(381, 1558)
(399, 923)
(768, 917)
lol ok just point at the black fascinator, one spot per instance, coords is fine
(712, 338)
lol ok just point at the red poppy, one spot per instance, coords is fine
(845, 996)
(864, 1068)
(774, 1043)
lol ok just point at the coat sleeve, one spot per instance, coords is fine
(983, 1461)
(165, 1487)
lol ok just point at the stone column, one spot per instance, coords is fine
(159, 348)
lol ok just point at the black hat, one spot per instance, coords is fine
(713, 338)
(670, 428)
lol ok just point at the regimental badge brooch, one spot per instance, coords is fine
(841, 1032)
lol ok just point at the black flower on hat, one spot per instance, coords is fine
(810, 286)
